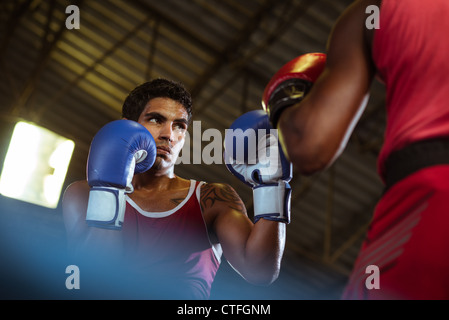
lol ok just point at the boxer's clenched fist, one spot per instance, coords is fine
(119, 150)
(291, 83)
(253, 155)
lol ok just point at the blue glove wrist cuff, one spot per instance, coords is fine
(272, 202)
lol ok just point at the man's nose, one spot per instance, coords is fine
(166, 132)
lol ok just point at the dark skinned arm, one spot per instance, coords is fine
(315, 131)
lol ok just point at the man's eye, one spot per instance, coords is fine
(180, 126)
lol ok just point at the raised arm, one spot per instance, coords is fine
(315, 131)
(94, 209)
(253, 250)
(252, 154)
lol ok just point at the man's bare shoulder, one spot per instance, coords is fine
(220, 194)
(75, 198)
(76, 188)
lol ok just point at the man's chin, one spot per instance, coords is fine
(162, 161)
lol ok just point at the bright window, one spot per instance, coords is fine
(35, 165)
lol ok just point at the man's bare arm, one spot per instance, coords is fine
(253, 250)
(85, 241)
(315, 131)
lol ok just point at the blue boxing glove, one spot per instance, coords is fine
(253, 154)
(119, 150)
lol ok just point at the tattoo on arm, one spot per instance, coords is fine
(211, 193)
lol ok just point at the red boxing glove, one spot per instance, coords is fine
(291, 84)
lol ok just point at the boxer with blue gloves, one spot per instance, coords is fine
(175, 231)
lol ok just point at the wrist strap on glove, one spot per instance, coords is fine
(272, 202)
(106, 207)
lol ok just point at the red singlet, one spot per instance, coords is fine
(403, 255)
(172, 249)
(410, 51)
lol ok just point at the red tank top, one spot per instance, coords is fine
(410, 50)
(173, 246)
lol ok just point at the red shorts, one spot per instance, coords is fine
(408, 241)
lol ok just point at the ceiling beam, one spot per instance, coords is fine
(291, 13)
(11, 24)
(43, 59)
(227, 55)
(174, 24)
(69, 86)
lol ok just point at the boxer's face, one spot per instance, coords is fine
(167, 122)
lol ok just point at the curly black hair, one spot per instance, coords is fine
(138, 98)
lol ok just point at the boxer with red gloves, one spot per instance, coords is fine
(174, 230)
(408, 236)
